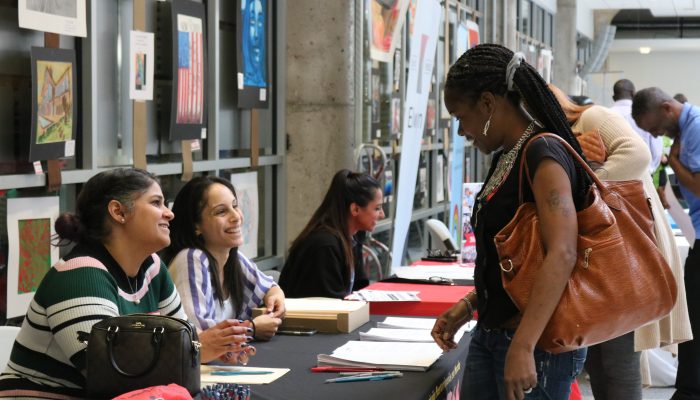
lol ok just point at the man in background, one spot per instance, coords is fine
(660, 114)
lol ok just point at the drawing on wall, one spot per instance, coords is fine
(251, 51)
(376, 96)
(473, 29)
(386, 20)
(65, 17)
(54, 116)
(141, 68)
(470, 191)
(396, 117)
(30, 226)
(189, 71)
(246, 186)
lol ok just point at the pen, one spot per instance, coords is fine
(370, 373)
(362, 378)
(345, 369)
(240, 372)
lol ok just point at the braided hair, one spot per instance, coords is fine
(483, 69)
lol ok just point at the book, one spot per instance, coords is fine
(402, 335)
(396, 356)
(323, 314)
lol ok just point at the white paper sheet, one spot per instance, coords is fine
(383, 295)
(389, 355)
(679, 215)
(207, 377)
(402, 335)
(426, 272)
(141, 61)
(417, 323)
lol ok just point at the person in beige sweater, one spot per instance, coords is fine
(614, 366)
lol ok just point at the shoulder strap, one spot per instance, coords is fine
(571, 151)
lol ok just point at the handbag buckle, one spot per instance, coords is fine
(510, 262)
(111, 332)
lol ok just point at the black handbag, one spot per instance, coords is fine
(137, 351)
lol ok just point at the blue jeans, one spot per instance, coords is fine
(483, 371)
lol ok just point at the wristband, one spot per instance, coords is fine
(252, 323)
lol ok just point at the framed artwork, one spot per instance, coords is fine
(386, 20)
(251, 53)
(65, 17)
(30, 225)
(396, 116)
(141, 65)
(473, 32)
(189, 99)
(246, 186)
(376, 97)
(54, 116)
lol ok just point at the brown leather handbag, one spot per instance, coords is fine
(620, 281)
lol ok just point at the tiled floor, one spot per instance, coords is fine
(647, 393)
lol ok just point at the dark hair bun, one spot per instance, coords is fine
(68, 226)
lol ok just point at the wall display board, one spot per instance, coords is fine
(141, 59)
(251, 53)
(386, 19)
(189, 97)
(54, 115)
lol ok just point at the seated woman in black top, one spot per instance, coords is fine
(501, 102)
(326, 258)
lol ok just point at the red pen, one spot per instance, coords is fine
(345, 369)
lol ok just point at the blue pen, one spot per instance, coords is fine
(362, 378)
(240, 372)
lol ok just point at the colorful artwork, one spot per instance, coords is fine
(190, 56)
(254, 42)
(54, 115)
(468, 239)
(34, 253)
(141, 69)
(54, 102)
(140, 66)
(386, 20)
(30, 222)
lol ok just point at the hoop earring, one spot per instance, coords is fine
(487, 125)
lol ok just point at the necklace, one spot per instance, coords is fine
(502, 170)
(136, 281)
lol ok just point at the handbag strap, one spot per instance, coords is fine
(157, 339)
(599, 184)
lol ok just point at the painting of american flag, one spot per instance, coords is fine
(190, 75)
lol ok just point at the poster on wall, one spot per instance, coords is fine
(188, 110)
(546, 69)
(251, 53)
(472, 34)
(65, 17)
(385, 20)
(54, 116)
(468, 242)
(30, 225)
(141, 60)
(246, 186)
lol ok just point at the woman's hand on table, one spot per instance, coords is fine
(448, 323)
(274, 302)
(266, 326)
(225, 337)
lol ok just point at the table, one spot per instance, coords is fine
(299, 354)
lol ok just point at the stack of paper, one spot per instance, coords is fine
(402, 335)
(388, 355)
(383, 295)
(417, 323)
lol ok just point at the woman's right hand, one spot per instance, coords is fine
(266, 326)
(225, 337)
(448, 323)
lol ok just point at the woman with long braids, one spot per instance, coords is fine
(501, 102)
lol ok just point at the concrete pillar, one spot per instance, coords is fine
(565, 46)
(510, 23)
(321, 102)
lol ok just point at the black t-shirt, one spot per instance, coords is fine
(494, 305)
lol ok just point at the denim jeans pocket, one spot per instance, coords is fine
(579, 359)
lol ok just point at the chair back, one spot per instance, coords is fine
(7, 340)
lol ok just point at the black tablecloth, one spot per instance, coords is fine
(299, 353)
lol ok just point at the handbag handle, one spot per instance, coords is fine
(157, 338)
(599, 184)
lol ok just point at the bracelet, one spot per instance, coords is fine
(466, 300)
(252, 323)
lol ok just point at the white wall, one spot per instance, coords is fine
(549, 5)
(585, 23)
(672, 71)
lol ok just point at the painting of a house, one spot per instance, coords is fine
(54, 102)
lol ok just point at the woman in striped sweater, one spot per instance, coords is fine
(214, 279)
(121, 221)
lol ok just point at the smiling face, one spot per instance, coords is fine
(148, 221)
(365, 218)
(472, 119)
(221, 220)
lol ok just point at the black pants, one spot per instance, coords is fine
(614, 369)
(688, 377)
